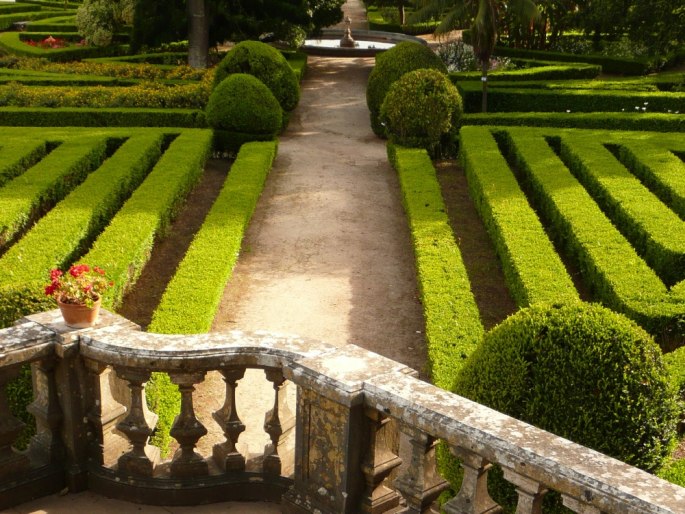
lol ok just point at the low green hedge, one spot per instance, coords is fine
(608, 64)
(9, 19)
(165, 58)
(522, 99)
(651, 227)
(144, 94)
(659, 169)
(453, 326)
(192, 297)
(543, 71)
(647, 121)
(17, 156)
(67, 229)
(298, 62)
(7, 8)
(124, 252)
(101, 117)
(533, 270)
(591, 240)
(11, 42)
(48, 182)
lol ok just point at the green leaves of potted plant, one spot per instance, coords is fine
(78, 293)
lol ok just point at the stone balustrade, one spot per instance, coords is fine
(365, 430)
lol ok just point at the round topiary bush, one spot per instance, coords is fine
(267, 64)
(420, 108)
(242, 109)
(390, 66)
(580, 371)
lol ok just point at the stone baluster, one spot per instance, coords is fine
(104, 413)
(187, 429)
(142, 458)
(378, 463)
(226, 454)
(46, 445)
(531, 492)
(11, 462)
(473, 497)
(579, 506)
(272, 423)
(419, 481)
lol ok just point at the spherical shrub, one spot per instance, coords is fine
(390, 66)
(243, 107)
(420, 108)
(267, 64)
(580, 371)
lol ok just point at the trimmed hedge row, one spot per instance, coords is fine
(659, 169)
(18, 7)
(546, 71)
(62, 234)
(648, 121)
(48, 182)
(17, 156)
(521, 99)
(12, 43)
(107, 117)
(610, 265)
(651, 227)
(377, 22)
(608, 64)
(124, 252)
(9, 19)
(453, 326)
(145, 94)
(533, 270)
(192, 297)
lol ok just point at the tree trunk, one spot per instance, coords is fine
(485, 63)
(403, 16)
(198, 34)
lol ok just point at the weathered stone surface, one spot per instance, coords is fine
(25, 342)
(557, 463)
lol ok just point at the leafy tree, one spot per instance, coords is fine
(99, 20)
(486, 18)
(658, 24)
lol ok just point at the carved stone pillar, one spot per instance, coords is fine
(226, 455)
(419, 481)
(142, 458)
(379, 461)
(187, 429)
(473, 497)
(46, 445)
(106, 445)
(11, 462)
(579, 506)
(272, 426)
(531, 493)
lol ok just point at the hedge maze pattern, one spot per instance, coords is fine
(610, 202)
(97, 195)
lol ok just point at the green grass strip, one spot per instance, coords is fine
(124, 247)
(533, 270)
(17, 156)
(59, 236)
(453, 326)
(192, 297)
(47, 182)
(651, 227)
(659, 169)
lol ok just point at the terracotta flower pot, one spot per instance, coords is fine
(80, 316)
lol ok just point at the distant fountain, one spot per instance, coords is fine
(347, 40)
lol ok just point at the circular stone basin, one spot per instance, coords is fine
(367, 43)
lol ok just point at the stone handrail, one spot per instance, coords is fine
(365, 430)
